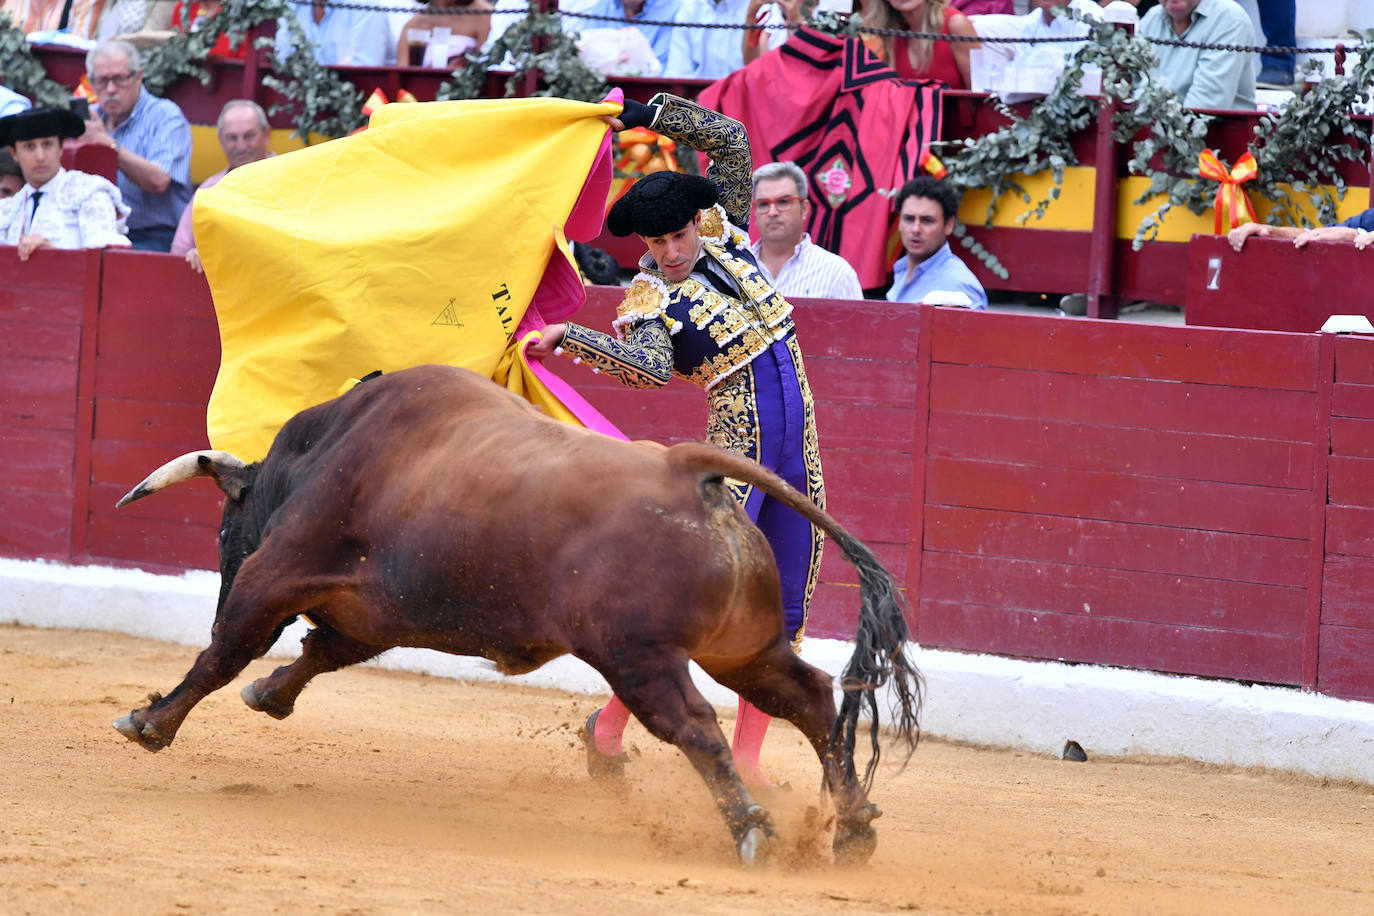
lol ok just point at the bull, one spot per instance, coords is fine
(431, 508)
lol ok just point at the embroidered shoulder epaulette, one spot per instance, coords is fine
(717, 228)
(646, 297)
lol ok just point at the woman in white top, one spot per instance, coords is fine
(56, 208)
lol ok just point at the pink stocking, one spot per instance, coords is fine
(610, 726)
(750, 727)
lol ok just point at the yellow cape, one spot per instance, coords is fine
(422, 239)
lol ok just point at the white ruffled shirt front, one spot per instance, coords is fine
(76, 210)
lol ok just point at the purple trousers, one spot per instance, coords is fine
(773, 398)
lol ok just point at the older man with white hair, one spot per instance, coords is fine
(151, 139)
(243, 134)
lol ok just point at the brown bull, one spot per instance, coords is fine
(432, 508)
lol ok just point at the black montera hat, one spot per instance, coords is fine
(40, 122)
(661, 203)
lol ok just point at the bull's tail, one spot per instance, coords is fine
(880, 652)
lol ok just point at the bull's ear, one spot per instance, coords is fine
(234, 481)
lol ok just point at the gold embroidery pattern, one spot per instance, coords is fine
(643, 360)
(723, 139)
(815, 484)
(713, 224)
(643, 300)
(733, 421)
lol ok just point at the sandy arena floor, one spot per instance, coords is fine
(398, 793)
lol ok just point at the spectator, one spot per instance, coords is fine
(924, 58)
(12, 102)
(1345, 231)
(342, 36)
(127, 17)
(926, 210)
(151, 139)
(466, 33)
(695, 53)
(55, 208)
(1045, 20)
(11, 176)
(786, 256)
(1203, 79)
(243, 134)
(985, 7)
(659, 36)
(757, 43)
(1278, 21)
(78, 17)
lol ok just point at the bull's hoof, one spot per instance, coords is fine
(599, 765)
(754, 837)
(145, 735)
(855, 838)
(257, 702)
(756, 847)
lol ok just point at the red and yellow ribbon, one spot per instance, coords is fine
(1230, 196)
(84, 90)
(931, 164)
(378, 98)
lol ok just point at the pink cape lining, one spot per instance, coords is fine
(560, 293)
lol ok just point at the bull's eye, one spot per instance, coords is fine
(222, 533)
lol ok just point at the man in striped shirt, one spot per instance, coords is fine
(151, 139)
(786, 256)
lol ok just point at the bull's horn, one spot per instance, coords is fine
(179, 469)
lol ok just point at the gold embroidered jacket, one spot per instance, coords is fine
(687, 328)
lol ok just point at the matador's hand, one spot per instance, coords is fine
(550, 339)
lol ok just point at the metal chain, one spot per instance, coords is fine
(919, 36)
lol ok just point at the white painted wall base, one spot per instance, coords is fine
(1033, 706)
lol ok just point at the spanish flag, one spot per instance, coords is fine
(432, 237)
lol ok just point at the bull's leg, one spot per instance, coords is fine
(782, 685)
(660, 692)
(323, 649)
(244, 629)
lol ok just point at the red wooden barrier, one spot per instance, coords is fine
(1346, 641)
(1106, 493)
(155, 367)
(45, 304)
(1092, 491)
(1270, 285)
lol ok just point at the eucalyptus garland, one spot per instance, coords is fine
(559, 64)
(1305, 144)
(22, 71)
(320, 100)
(1165, 137)
(1293, 148)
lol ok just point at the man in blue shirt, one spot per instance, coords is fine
(926, 210)
(660, 36)
(151, 139)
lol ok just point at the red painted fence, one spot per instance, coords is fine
(1153, 497)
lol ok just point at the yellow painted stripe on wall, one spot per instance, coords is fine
(207, 158)
(1073, 209)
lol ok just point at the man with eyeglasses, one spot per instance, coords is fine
(700, 309)
(151, 139)
(787, 258)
